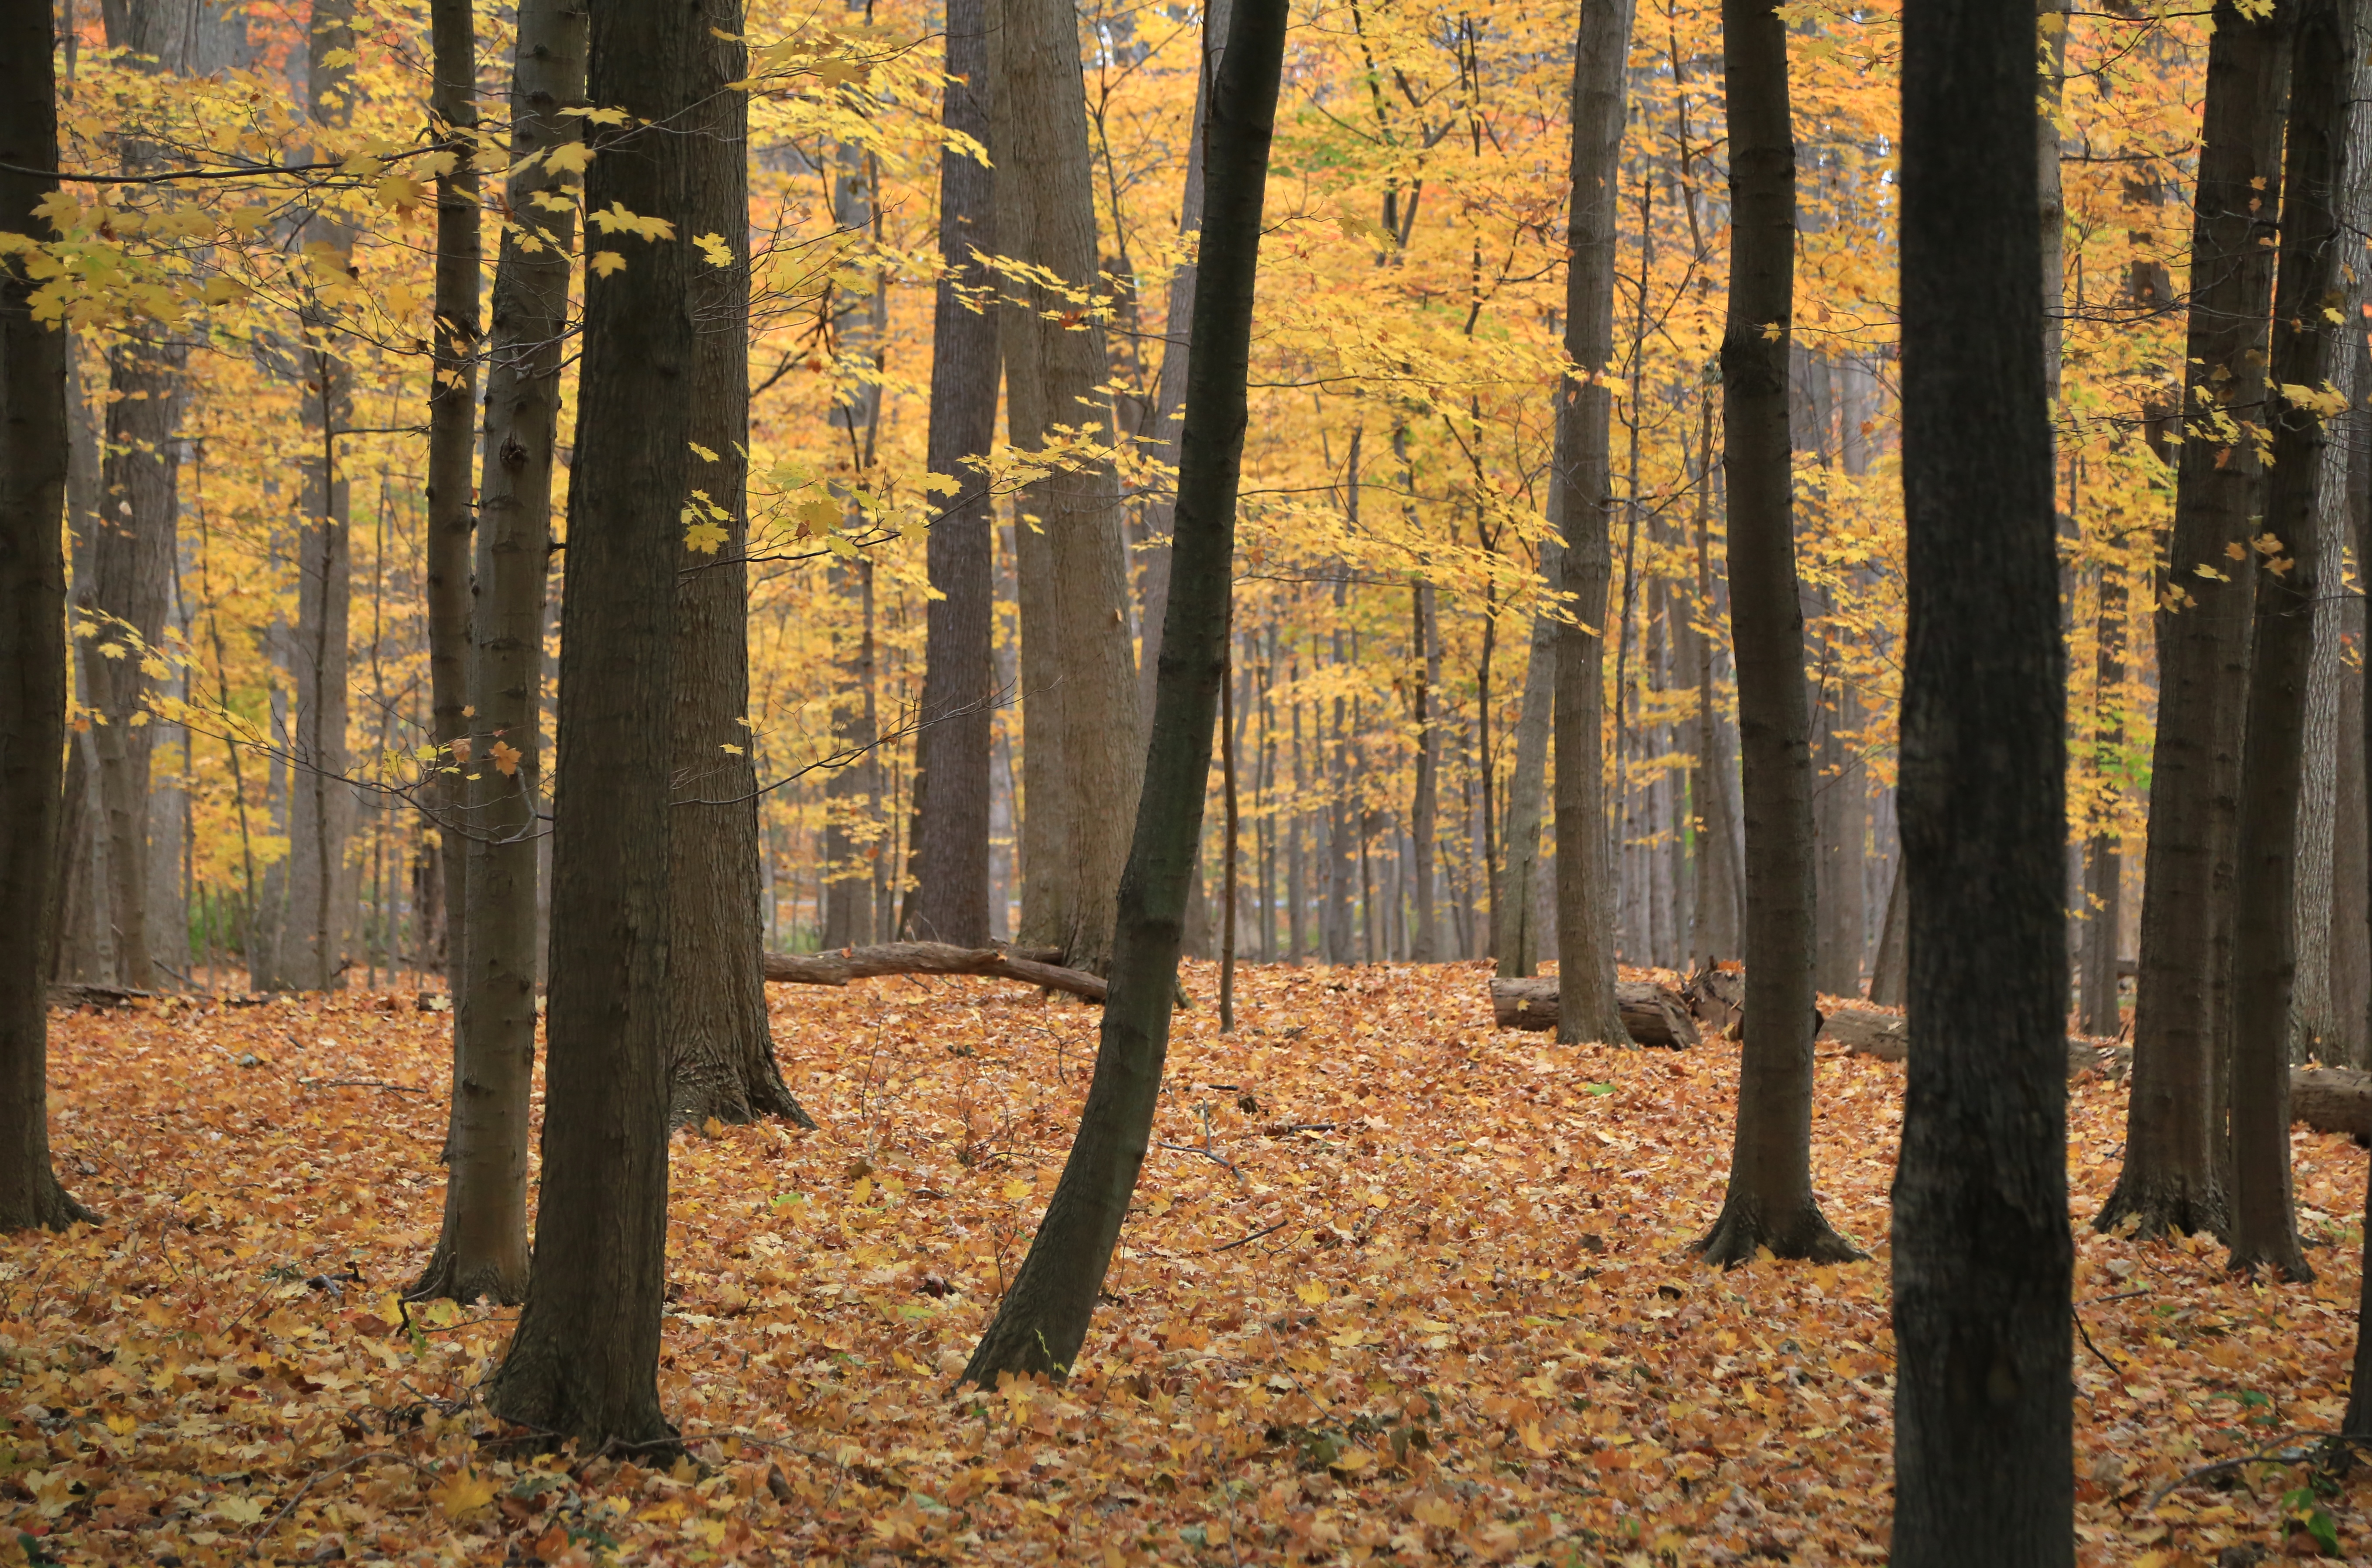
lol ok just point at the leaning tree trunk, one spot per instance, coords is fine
(1982, 1259)
(1044, 1318)
(452, 429)
(583, 1361)
(1770, 1202)
(949, 903)
(1580, 490)
(721, 1050)
(32, 629)
(2173, 1133)
(1517, 941)
(1052, 370)
(481, 1250)
(2288, 565)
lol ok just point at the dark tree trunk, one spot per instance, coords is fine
(949, 903)
(1044, 1318)
(452, 431)
(2104, 861)
(2173, 1130)
(1580, 500)
(32, 629)
(2289, 568)
(1423, 673)
(721, 1062)
(583, 1361)
(482, 1249)
(1982, 1259)
(1770, 1202)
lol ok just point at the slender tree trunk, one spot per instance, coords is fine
(1770, 1202)
(2104, 865)
(1423, 673)
(1842, 799)
(2173, 1130)
(721, 1062)
(583, 1361)
(1229, 741)
(1983, 1263)
(1518, 944)
(1044, 1318)
(33, 454)
(2288, 565)
(1051, 375)
(949, 903)
(1721, 880)
(1581, 491)
(481, 1250)
(855, 786)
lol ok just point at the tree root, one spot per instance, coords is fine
(2184, 1207)
(1743, 1230)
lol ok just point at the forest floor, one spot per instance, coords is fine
(1402, 1288)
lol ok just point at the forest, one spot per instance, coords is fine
(1056, 781)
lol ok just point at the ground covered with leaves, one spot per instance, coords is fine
(1401, 1288)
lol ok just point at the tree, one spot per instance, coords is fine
(949, 901)
(1580, 498)
(481, 1247)
(722, 1064)
(583, 1361)
(1515, 944)
(1770, 1202)
(1044, 1318)
(2173, 1125)
(1083, 769)
(1982, 1259)
(32, 628)
(2287, 561)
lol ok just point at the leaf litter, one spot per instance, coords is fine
(1398, 1288)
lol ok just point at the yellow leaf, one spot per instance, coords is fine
(705, 537)
(2236, 551)
(713, 246)
(400, 192)
(568, 158)
(667, 1512)
(506, 758)
(729, 746)
(1311, 1291)
(1438, 1512)
(599, 116)
(706, 455)
(1354, 1460)
(817, 516)
(604, 262)
(121, 1425)
(712, 1127)
(246, 1510)
(463, 1493)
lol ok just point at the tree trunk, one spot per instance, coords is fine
(949, 903)
(452, 430)
(1580, 490)
(1516, 944)
(1720, 878)
(2104, 865)
(1044, 1318)
(2181, 1003)
(1841, 798)
(1770, 1202)
(583, 1361)
(1424, 675)
(855, 787)
(481, 1247)
(1890, 976)
(33, 454)
(2351, 932)
(721, 1062)
(1051, 374)
(1983, 1260)
(2288, 565)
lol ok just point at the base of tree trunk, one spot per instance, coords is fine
(1652, 1015)
(2160, 1205)
(52, 1208)
(705, 1080)
(545, 1393)
(2285, 1259)
(1744, 1229)
(928, 957)
(442, 1281)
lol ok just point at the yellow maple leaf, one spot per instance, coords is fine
(506, 758)
(603, 263)
(568, 158)
(463, 1493)
(705, 537)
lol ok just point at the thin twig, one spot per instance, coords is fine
(2268, 1451)
(1255, 1236)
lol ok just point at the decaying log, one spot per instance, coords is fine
(1883, 1035)
(1654, 1014)
(926, 958)
(78, 994)
(2332, 1099)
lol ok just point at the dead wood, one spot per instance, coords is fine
(1886, 1037)
(2332, 1099)
(840, 967)
(1653, 1015)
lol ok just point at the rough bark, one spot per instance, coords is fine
(2289, 580)
(1770, 1200)
(1052, 373)
(1840, 797)
(1888, 976)
(949, 903)
(1425, 678)
(583, 1364)
(481, 1247)
(1652, 1015)
(855, 788)
(2171, 1178)
(1580, 492)
(1719, 927)
(721, 1052)
(1044, 1318)
(1516, 944)
(840, 965)
(2104, 861)
(1983, 1261)
(33, 442)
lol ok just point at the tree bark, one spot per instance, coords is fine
(1842, 813)
(949, 903)
(481, 1247)
(1770, 1200)
(2173, 1130)
(2104, 864)
(1580, 491)
(1516, 944)
(1719, 926)
(1424, 674)
(583, 1361)
(33, 454)
(1983, 1262)
(1052, 373)
(1044, 1318)
(2289, 561)
(721, 1062)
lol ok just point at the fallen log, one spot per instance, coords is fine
(1654, 1014)
(1886, 1037)
(840, 967)
(2332, 1099)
